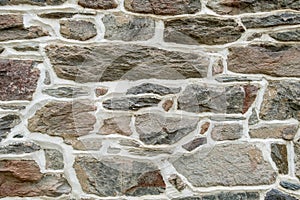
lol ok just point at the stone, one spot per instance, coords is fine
(226, 165)
(190, 146)
(279, 60)
(297, 158)
(32, 2)
(18, 79)
(8, 122)
(229, 99)
(47, 79)
(235, 7)
(277, 131)
(1, 49)
(287, 36)
(116, 176)
(167, 105)
(276, 194)
(77, 29)
(93, 144)
(281, 100)
(67, 92)
(204, 128)
(226, 196)
(177, 182)
(57, 15)
(279, 156)
(290, 186)
(230, 78)
(163, 7)
(156, 128)
(19, 148)
(253, 119)
(54, 159)
(98, 4)
(111, 62)
(24, 48)
(152, 88)
(278, 19)
(202, 30)
(226, 131)
(12, 106)
(64, 119)
(119, 26)
(130, 103)
(101, 91)
(116, 125)
(10, 21)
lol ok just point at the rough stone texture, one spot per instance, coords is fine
(155, 128)
(223, 131)
(226, 196)
(190, 146)
(290, 186)
(111, 62)
(11, 21)
(285, 18)
(101, 91)
(19, 148)
(67, 92)
(98, 4)
(130, 103)
(18, 79)
(287, 36)
(116, 125)
(32, 2)
(77, 29)
(226, 165)
(276, 194)
(26, 48)
(204, 128)
(202, 30)
(163, 7)
(279, 156)
(167, 105)
(118, 176)
(297, 158)
(152, 88)
(54, 159)
(253, 119)
(8, 122)
(57, 15)
(124, 27)
(177, 182)
(217, 98)
(234, 7)
(270, 59)
(281, 100)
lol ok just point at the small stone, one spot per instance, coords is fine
(190, 146)
(98, 4)
(77, 29)
(229, 78)
(19, 148)
(67, 92)
(57, 15)
(1, 49)
(54, 159)
(223, 131)
(287, 36)
(163, 7)
(204, 128)
(152, 88)
(177, 182)
(167, 105)
(101, 91)
(12, 106)
(32, 2)
(47, 80)
(276, 194)
(26, 48)
(120, 26)
(8, 122)
(254, 36)
(202, 30)
(279, 156)
(116, 125)
(130, 103)
(289, 185)
(253, 119)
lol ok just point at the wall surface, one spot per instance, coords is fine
(150, 99)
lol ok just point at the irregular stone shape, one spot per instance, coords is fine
(277, 131)
(57, 15)
(110, 62)
(47, 80)
(18, 79)
(234, 7)
(285, 18)
(26, 48)
(226, 196)
(32, 2)
(223, 131)
(276, 194)
(163, 7)
(98, 4)
(177, 182)
(204, 128)
(8, 122)
(202, 30)
(253, 119)
(281, 100)
(297, 158)
(279, 156)
(67, 92)
(23, 178)
(65, 119)
(101, 91)
(167, 105)
(289, 185)
(226, 165)
(217, 98)
(130, 103)
(116, 176)
(287, 36)
(152, 88)
(1, 49)
(116, 125)
(190, 146)
(93, 144)
(77, 29)
(230, 78)
(270, 59)
(156, 128)
(54, 159)
(10, 21)
(120, 26)
(19, 148)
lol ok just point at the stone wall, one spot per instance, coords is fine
(150, 99)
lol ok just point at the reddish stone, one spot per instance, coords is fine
(204, 128)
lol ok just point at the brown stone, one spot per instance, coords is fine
(204, 128)
(101, 91)
(167, 105)
(297, 158)
(98, 4)
(190, 146)
(77, 29)
(279, 156)
(116, 125)
(177, 182)
(11, 21)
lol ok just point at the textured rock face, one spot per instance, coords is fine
(163, 7)
(289, 185)
(67, 92)
(54, 159)
(177, 182)
(205, 30)
(226, 196)
(276, 194)
(270, 59)
(297, 158)
(105, 177)
(77, 29)
(226, 132)
(18, 79)
(8, 122)
(116, 125)
(190, 146)
(130, 103)
(279, 156)
(32, 2)
(152, 88)
(19, 148)
(286, 36)
(217, 99)
(98, 4)
(239, 164)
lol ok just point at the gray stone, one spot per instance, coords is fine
(10, 21)
(202, 30)
(276, 194)
(32, 2)
(116, 125)
(223, 131)
(156, 128)
(226, 165)
(24, 48)
(54, 159)
(279, 156)
(217, 98)
(116, 176)
(230, 78)
(152, 88)
(98, 4)
(226, 196)
(289, 185)
(77, 29)
(190, 146)
(253, 119)
(130, 103)
(119, 26)
(8, 122)
(19, 148)
(297, 158)
(111, 62)
(67, 92)
(177, 182)
(57, 15)
(287, 36)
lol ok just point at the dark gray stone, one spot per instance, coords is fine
(67, 92)
(276, 194)
(8, 122)
(229, 78)
(130, 103)
(289, 185)
(54, 159)
(226, 196)
(190, 146)
(152, 88)
(280, 157)
(287, 36)
(19, 148)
